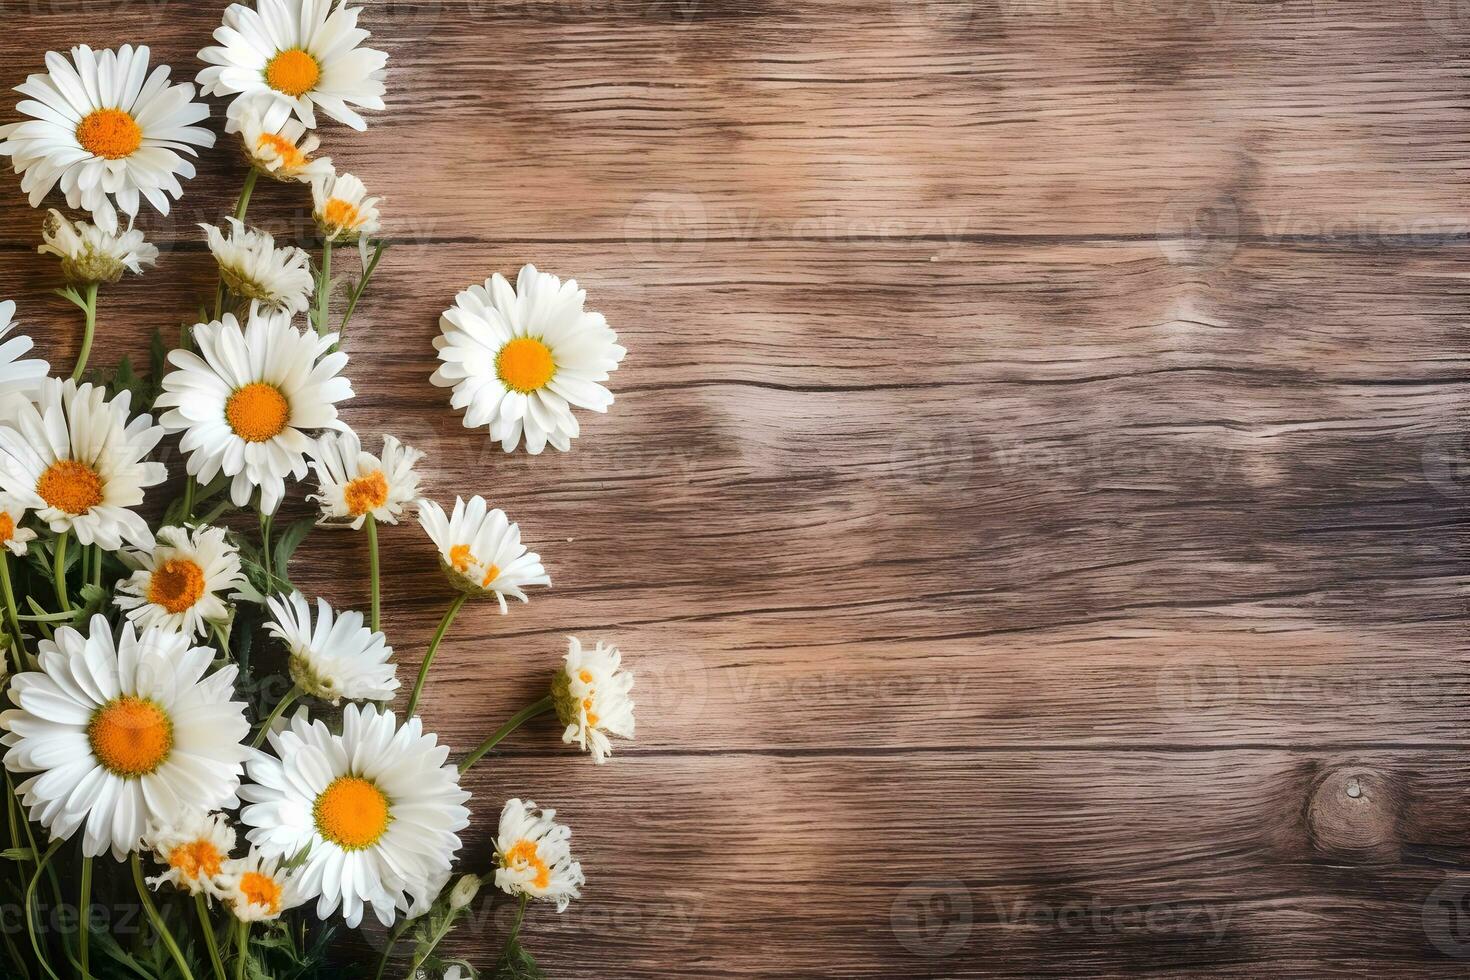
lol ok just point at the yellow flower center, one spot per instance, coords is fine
(109, 133)
(293, 72)
(262, 890)
(196, 859)
(366, 493)
(491, 574)
(291, 157)
(176, 585)
(351, 813)
(70, 486)
(525, 365)
(460, 557)
(585, 675)
(338, 213)
(130, 736)
(587, 707)
(257, 412)
(7, 527)
(526, 855)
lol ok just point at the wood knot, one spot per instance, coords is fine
(1354, 813)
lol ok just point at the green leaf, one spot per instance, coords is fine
(517, 964)
(290, 540)
(18, 854)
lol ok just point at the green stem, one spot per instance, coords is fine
(393, 938)
(85, 930)
(58, 571)
(270, 719)
(242, 948)
(516, 721)
(324, 288)
(372, 536)
(267, 561)
(189, 483)
(158, 924)
(423, 952)
(245, 192)
(11, 612)
(208, 929)
(352, 300)
(418, 687)
(97, 565)
(91, 310)
(31, 901)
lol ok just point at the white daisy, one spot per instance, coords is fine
(12, 535)
(181, 584)
(123, 734)
(258, 888)
(108, 131)
(89, 254)
(295, 56)
(243, 400)
(17, 377)
(535, 855)
(253, 268)
(520, 360)
(194, 846)
(283, 153)
(342, 208)
(338, 659)
(75, 459)
(481, 550)
(355, 484)
(591, 695)
(376, 811)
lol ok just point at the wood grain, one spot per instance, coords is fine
(1035, 502)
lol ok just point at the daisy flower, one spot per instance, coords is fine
(355, 484)
(283, 153)
(75, 459)
(243, 400)
(375, 810)
(295, 56)
(123, 734)
(253, 268)
(108, 131)
(520, 360)
(257, 888)
(338, 659)
(88, 254)
(481, 550)
(17, 377)
(591, 696)
(178, 585)
(194, 847)
(12, 535)
(535, 855)
(342, 208)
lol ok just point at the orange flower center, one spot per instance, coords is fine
(351, 813)
(7, 527)
(109, 133)
(291, 157)
(460, 557)
(176, 585)
(525, 365)
(262, 890)
(293, 72)
(491, 574)
(70, 486)
(366, 493)
(525, 855)
(130, 736)
(340, 214)
(257, 412)
(196, 859)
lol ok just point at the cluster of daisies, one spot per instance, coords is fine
(135, 727)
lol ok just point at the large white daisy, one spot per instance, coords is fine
(295, 56)
(591, 695)
(520, 360)
(181, 584)
(355, 484)
(338, 658)
(17, 376)
(245, 398)
(481, 551)
(376, 812)
(253, 268)
(535, 855)
(123, 734)
(75, 459)
(89, 254)
(282, 153)
(107, 131)
(193, 846)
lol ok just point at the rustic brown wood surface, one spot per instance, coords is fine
(1035, 502)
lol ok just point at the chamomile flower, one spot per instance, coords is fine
(108, 131)
(123, 734)
(591, 695)
(245, 398)
(339, 658)
(342, 208)
(17, 377)
(481, 551)
(12, 535)
(88, 254)
(283, 153)
(253, 268)
(257, 888)
(194, 847)
(535, 855)
(375, 810)
(295, 56)
(75, 459)
(356, 484)
(520, 360)
(181, 584)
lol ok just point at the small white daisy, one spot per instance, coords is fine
(342, 208)
(481, 550)
(283, 153)
(591, 695)
(12, 535)
(17, 377)
(520, 360)
(257, 888)
(75, 459)
(123, 734)
(108, 131)
(89, 254)
(194, 847)
(376, 810)
(295, 56)
(245, 398)
(181, 583)
(338, 659)
(355, 484)
(535, 855)
(253, 268)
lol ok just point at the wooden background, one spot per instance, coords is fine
(1035, 502)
